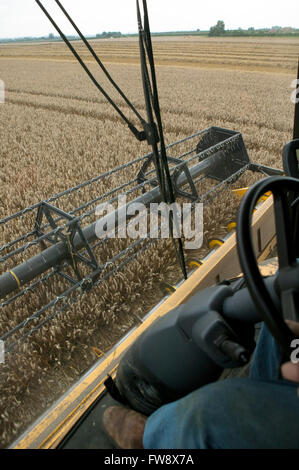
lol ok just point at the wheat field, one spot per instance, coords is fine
(57, 131)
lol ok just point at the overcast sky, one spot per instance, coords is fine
(20, 18)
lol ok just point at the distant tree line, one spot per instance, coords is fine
(109, 34)
(219, 30)
(50, 37)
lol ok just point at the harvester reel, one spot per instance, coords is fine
(63, 244)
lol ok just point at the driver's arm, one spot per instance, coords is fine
(289, 370)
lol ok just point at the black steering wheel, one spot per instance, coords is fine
(285, 191)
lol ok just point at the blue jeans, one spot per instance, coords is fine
(259, 412)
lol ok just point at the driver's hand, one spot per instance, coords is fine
(289, 370)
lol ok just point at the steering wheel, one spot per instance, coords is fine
(285, 191)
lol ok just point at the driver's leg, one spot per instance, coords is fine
(229, 414)
(267, 358)
(260, 412)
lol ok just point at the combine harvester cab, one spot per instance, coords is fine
(63, 247)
